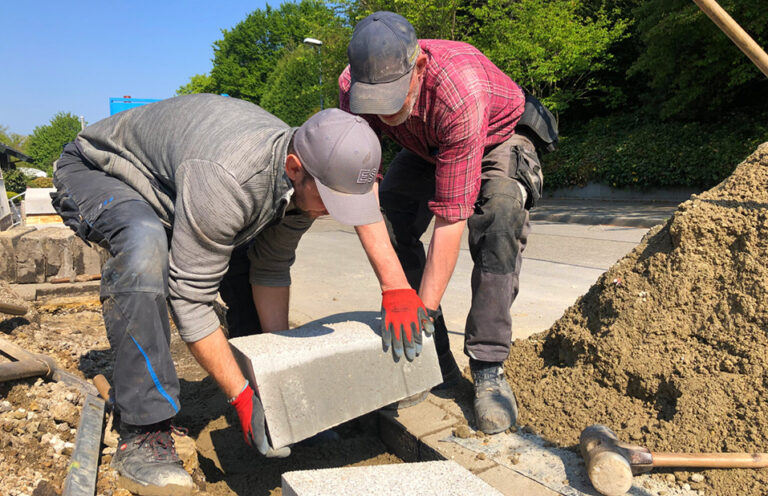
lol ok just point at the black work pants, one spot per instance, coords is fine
(498, 232)
(134, 285)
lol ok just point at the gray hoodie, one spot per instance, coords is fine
(213, 168)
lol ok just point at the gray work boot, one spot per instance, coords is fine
(147, 462)
(495, 405)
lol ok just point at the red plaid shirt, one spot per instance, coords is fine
(466, 105)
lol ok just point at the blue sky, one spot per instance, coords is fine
(74, 56)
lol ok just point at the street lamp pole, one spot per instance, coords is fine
(318, 44)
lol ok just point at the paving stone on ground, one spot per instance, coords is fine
(451, 451)
(508, 481)
(87, 259)
(30, 257)
(57, 251)
(38, 201)
(437, 478)
(8, 242)
(425, 420)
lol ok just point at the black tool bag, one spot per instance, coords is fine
(540, 124)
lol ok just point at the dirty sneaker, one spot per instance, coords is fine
(495, 405)
(147, 462)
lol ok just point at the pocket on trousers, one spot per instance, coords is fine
(69, 212)
(526, 168)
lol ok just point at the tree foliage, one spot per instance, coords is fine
(292, 92)
(246, 55)
(434, 19)
(547, 46)
(14, 180)
(16, 141)
(199, 83)
(46, 141)
(691, 66)
(663, 59)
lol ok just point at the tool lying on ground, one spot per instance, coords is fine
(12, 309)
(611, 463)
(83, 468)
(84, 464)
(105, 390)
(80, 278)
(26, 364)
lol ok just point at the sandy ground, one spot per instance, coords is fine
(38, 419)
(669, 347)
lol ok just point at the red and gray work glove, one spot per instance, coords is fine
(251, 414)
(403, 319)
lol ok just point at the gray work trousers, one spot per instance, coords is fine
(134, 284)
(498, 232)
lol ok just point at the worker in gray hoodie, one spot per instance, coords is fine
(203, 194)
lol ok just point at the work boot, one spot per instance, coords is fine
(147, 462)
(495, 405)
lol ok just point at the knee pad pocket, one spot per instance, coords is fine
(496, 226)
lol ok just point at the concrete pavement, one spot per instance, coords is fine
(562, 260)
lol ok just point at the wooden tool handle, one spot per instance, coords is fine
(13, 309)
(102, 385)
(740, 37)
(710, 460)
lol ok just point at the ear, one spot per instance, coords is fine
(293, 167)
(421, 63)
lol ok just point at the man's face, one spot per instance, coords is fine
(410, 101)
(306, 197)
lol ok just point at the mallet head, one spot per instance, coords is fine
(608, 466)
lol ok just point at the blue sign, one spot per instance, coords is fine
(119, 104)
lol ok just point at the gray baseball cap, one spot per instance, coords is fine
(382, 54)
(343, 154)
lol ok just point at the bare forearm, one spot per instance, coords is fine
(441, 260)
(272, 306)
(215, 356)
(381, 255)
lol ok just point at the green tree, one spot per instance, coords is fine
(692, 67)
(16, 141)
(15, 181)
(46, 141)
(199, 83)
(292, 92)
(435, 19)
(548, 46)
(246, 55)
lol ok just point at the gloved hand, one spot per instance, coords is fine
(251, 414)
(403, 319)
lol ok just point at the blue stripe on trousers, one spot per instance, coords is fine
(154, 377)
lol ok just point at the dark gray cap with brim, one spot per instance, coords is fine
(382, 54)
(343, 154)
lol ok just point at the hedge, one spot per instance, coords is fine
(628, 151)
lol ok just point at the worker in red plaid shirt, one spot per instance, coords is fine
(464, 161)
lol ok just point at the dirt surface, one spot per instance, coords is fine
(669, 347)
(38, 419)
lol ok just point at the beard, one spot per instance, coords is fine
(404, 113)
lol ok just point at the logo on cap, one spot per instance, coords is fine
(366, 176)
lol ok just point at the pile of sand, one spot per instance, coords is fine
(669, 347)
